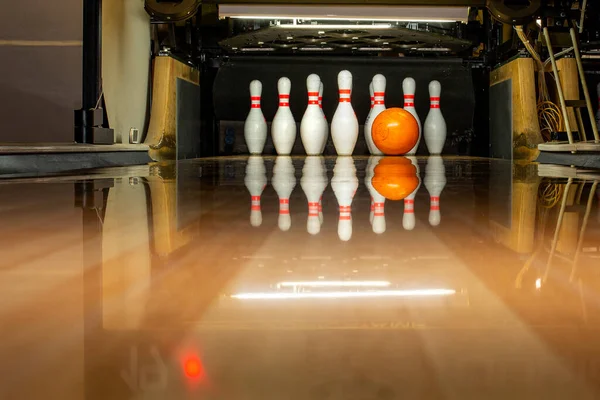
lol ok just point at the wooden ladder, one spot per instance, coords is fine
(577, 105)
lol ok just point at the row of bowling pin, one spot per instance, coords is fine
(344, 184)
(314, 130)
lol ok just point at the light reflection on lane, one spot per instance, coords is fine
(334, 283)
(344, 295)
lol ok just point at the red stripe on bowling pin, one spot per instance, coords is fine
(379, 211)
(378, 98)
(434, 203)
(254, 101)
(345, 213)
(345, 95)
(284, 206)
(313, 209)
(255, 203)
(409, 100)
(284, 100)
(435, 102)
(409, 206)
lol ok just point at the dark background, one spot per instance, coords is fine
(40, 85)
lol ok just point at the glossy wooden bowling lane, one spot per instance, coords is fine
(154, 282)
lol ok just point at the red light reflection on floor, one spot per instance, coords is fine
(192, 367)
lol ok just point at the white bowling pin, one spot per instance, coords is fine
(326, 126)
(313, 125)
(313, 183)
(378, 107)
(435, 181)
(408, 218)
(256, 181)
(344, 184)
(369, 142)
(377, 216)
(255, 127)
(434, 129)
(598, 112)
(408, 88)
(283, 127)
(344, 125)
(284, 181)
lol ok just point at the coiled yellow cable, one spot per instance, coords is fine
(549, 115)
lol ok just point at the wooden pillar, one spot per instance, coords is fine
(567, 71)
(161, 135)
(526, 133)
(125, 65)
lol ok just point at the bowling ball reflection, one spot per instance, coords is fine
(395, 131)
(395, 178)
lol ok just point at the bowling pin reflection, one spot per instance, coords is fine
(377, 216)
(284, 181)
(344, 184)
(313, 182)
(435, 181)
(321, 198)
(256, 181)
(408, 218)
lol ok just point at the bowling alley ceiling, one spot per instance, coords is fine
(331, 38)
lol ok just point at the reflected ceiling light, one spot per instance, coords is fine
(351, 13)
(375, 49)
(251, 49)
(336, 26)
(316, 48)
(344, 295)
(335, 283)
(432, 49)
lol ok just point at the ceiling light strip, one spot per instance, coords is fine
(355, 13)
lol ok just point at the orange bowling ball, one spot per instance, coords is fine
(395, 131)
(395, 178)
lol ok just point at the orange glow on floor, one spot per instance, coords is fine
(192, 367)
